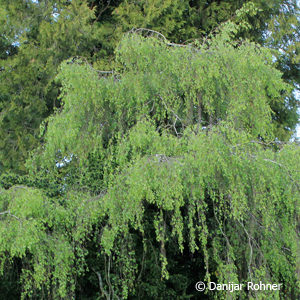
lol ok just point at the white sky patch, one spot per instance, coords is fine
(297, 95)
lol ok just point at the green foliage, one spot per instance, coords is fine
(166, 174)
(215, 88)
(272, 23)
(37, 43)
(47, 236)
(160, 173)
(37, 36)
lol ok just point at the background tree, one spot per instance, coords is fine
(38, 37)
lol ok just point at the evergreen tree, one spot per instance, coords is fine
(37, 38)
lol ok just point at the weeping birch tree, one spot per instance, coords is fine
(167, 173)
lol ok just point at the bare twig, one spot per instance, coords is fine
(7, 212)
(97, 197)
(199, 111)
(251, 249)
(175, 115)
(282, 166)
(251, 252)
(102, 290)
(84, 59)
(102, 11)
(150, 30)
(136, 30)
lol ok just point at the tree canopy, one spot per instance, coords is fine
(158, 174)
(36, 36)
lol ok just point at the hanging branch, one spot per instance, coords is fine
(199, 96)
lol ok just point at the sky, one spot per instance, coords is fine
(297, 94)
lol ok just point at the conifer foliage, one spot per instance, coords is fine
(36, 37)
